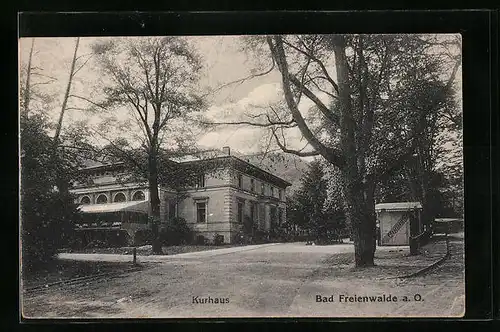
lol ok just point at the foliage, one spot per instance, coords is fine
(249, 226)
(239, 238)
(368, 117)
(282, 233)
(200, 240)
(307, 207)
(218, 239)
(176, 232)
(47, 215)
(155, 79)
(143, 236)
(261, 236)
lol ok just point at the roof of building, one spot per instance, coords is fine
(96, 166)
(399, 206)
(213, 155)
(447, 219)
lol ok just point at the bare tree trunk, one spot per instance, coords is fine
(370, 210)
(61, 178)
(363, 227)
(66, 94)
(363, 222)
(27, 89)
(154, 199)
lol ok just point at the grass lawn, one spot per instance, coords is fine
(146, 250)
(62, 270)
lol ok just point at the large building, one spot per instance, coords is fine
(218, 203)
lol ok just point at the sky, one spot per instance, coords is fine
(224, 62)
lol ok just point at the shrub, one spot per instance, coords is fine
(48, 213)
(239, 238)
(247, 233)
(281, 233)
(47, 225)
(200, 240)
(218, 239)
(176, 232)
(249, 227)
(143, 236)
(261, 237)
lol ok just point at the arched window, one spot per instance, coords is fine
(138, 196)
(85, 200)
(102, 199)
(120, 197)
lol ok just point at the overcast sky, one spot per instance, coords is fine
(223, 62)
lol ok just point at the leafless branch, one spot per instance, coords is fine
(266, 151)
(309, 94)
(82, 65)
(255, 124)
(89, 101)
(333, 155)
(316, 60)
(242, 80)
(295, 152)
(124, 153)
(43, 75)
(41, 83)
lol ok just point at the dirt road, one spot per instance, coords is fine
(282, 280)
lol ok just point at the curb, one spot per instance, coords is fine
(123, 258)
(430, 267)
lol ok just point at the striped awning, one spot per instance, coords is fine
(141, 206)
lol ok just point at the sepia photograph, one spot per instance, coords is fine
(241, 176)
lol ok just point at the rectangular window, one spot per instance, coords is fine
(280, 192)
(240, 181)
(280, 215)
(200, 181)
(240, 211)
(253, 211)
(252, 185)
(273, 215)
(201, 212)
(263, 188)
(272, 191)
(172, 209)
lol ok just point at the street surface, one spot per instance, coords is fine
(272, 280)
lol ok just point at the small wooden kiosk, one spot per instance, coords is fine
(397, 222)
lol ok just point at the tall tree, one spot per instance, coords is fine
(47, 208)
(62, 180)
(32, 79)
(47, 215)
(66, 93)
(437, 101)
(363, 120)
(153, 78)
(311, 198)
(27, 86)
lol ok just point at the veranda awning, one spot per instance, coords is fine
(115, 207)
(400, 206)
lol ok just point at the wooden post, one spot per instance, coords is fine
(447, 238)
(134, 253)
(413, 233)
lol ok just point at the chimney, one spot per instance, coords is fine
(227, 150)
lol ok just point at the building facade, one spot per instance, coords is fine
(217, 204)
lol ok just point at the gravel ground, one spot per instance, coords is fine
(147, 249)
(268, 281)
(61, 270)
